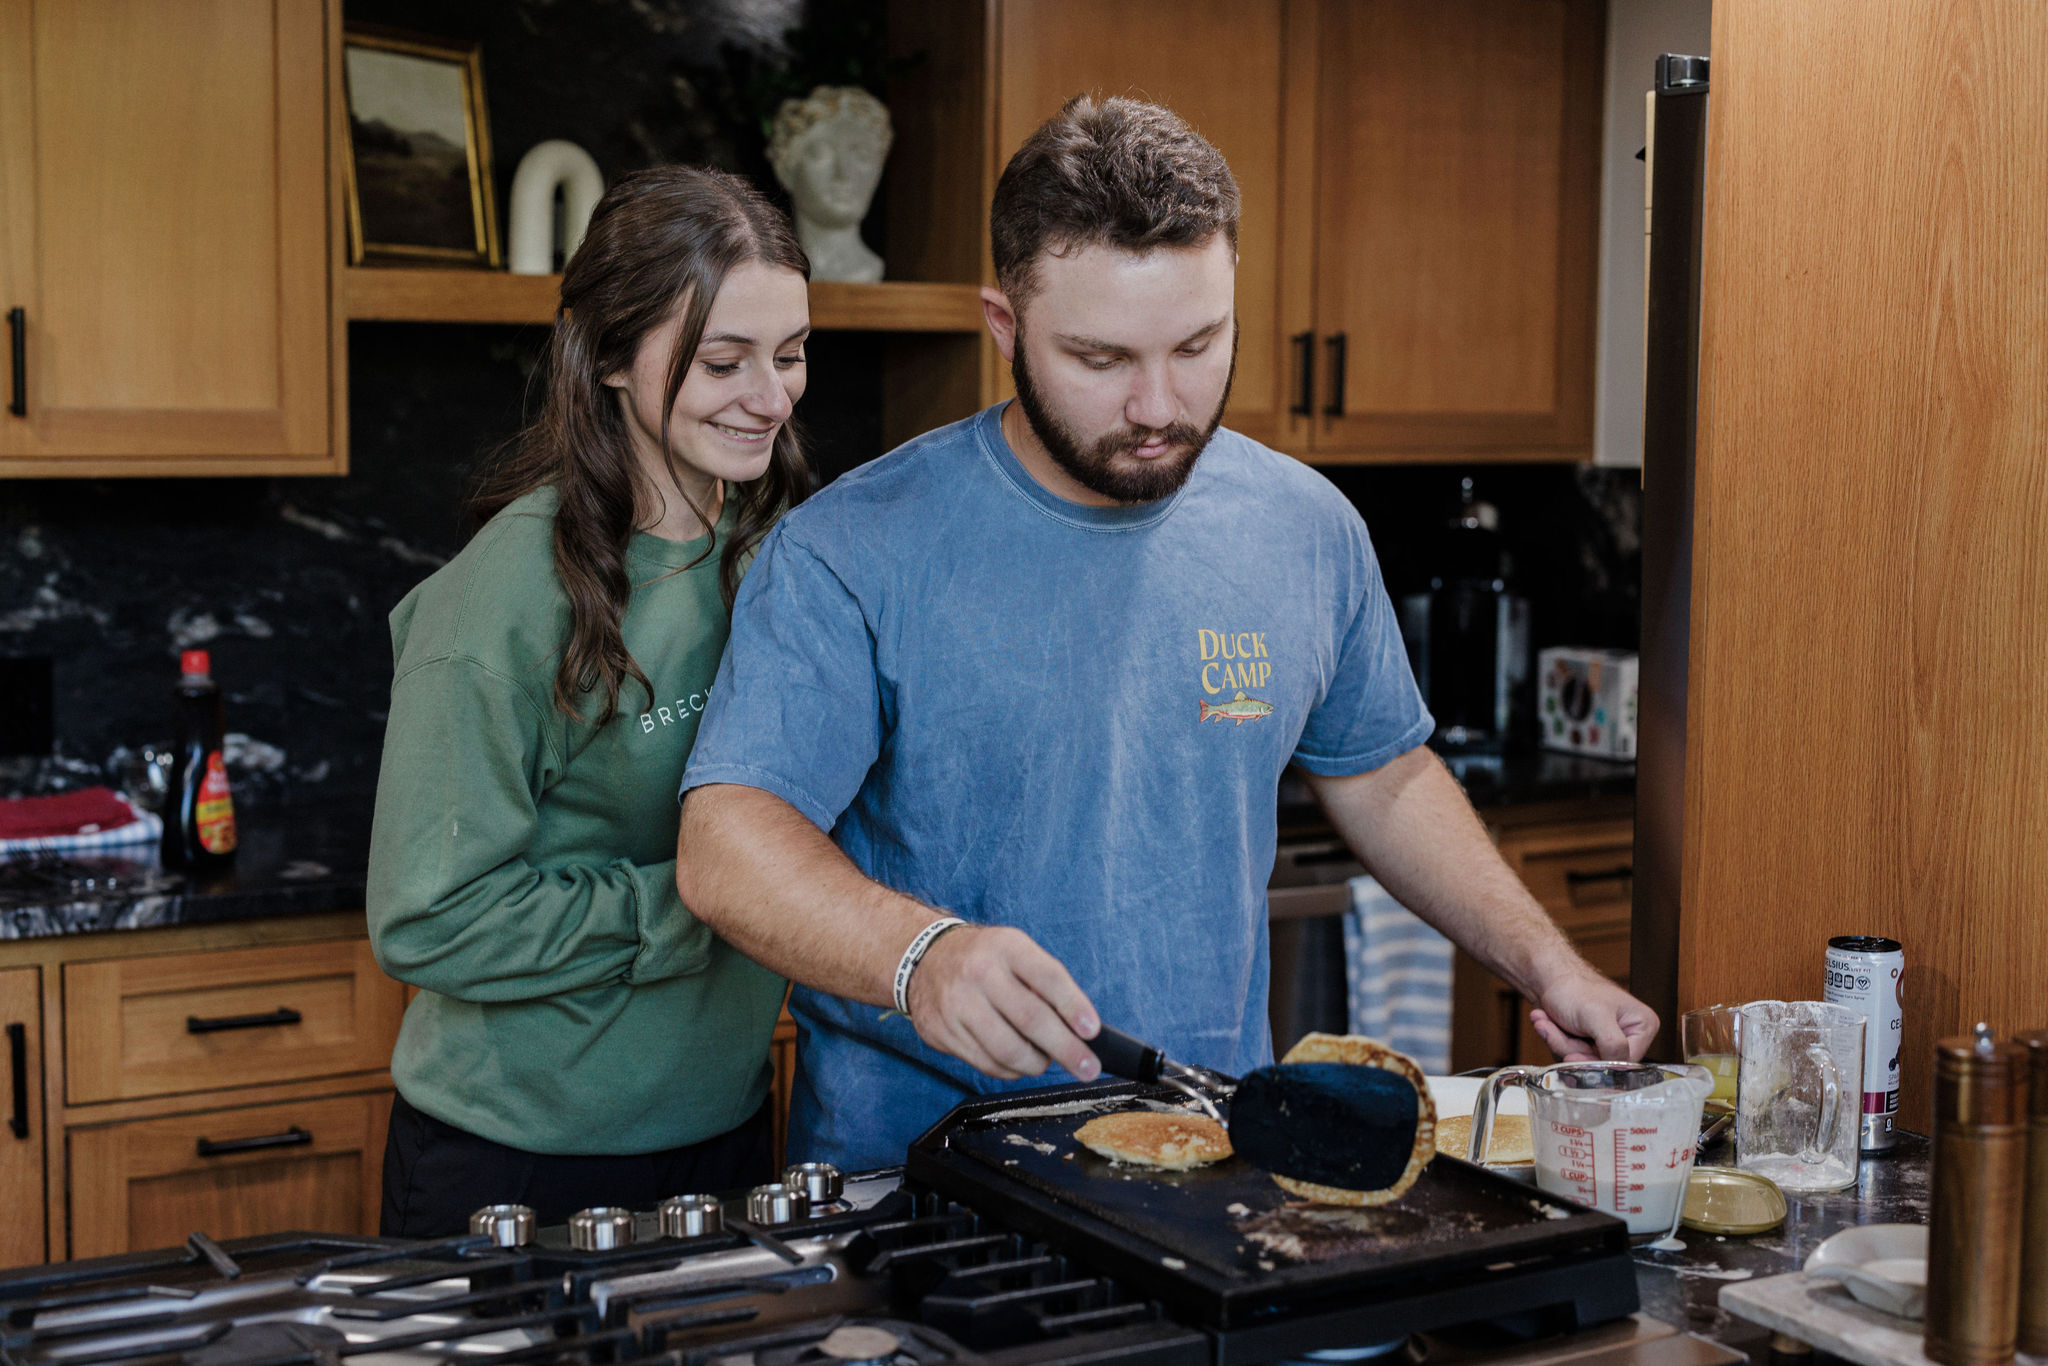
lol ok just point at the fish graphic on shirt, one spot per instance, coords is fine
(1239, 709)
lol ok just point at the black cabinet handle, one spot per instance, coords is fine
(1574, 878)
(1304, 344)
(283, 1015)
(17, 331)
(17, 1054)
(1337, 343)
(294, 1137)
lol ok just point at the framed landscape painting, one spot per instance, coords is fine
(418, 153)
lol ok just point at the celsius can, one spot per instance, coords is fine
(1866, 974)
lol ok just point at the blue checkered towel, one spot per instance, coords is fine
(145, 830)
(1399, 973)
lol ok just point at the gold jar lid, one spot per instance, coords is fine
(1979, 1080)
(1730, 1200)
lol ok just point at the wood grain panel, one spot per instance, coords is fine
(21, 1155)
(1217, 64)
(144, 1185)
(1870, 614)
(125, 1020)
(170, 239)
(1457, 222)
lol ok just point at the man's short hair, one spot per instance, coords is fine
(1107, 172)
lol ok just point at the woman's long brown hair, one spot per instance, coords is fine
(659, 240)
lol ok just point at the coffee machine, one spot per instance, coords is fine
(1468, 635)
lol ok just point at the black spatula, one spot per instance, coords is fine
(1330, 1123)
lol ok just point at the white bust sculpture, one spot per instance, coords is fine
(827, 150)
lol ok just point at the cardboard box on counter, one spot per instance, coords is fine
(1587, 700)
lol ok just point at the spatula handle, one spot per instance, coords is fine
(1123, 1056)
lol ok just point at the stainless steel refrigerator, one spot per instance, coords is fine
(1676, 167)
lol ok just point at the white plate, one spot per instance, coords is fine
(1457, 1096)
(1883, 1265)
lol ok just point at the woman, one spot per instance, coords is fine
(579, 1039)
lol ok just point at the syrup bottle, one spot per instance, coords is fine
(199, 818)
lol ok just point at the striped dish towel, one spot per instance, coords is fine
(1399, 974)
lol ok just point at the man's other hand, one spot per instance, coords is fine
(990, 996)
(1588, 1018)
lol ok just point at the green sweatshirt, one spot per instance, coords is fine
(522, 864)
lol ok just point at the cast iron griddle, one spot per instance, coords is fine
(1182, 1235)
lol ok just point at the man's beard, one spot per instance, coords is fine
(1094, 467)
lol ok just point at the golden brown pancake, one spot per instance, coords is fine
(1512, 1143)
(1364, 1052)
(1147, 1138)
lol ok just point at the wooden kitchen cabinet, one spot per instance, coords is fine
(132, 1087)
(1454, 157)
(1582, 872)
(1420, 183)
(169, 231)
(21, 1123)
(312, 1164)
(174, 1023)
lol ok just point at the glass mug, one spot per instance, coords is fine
(1799, 1107)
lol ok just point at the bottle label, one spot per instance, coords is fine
(214, 812)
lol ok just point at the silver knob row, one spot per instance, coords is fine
(805, 1186)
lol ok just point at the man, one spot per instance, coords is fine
(1042, 669)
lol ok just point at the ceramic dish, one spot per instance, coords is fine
(1882, 1265)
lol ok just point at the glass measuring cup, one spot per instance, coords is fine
(1614, 1136)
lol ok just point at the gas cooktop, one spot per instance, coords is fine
(810, 1270)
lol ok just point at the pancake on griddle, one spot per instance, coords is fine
(1361, 1051)
(1512, 1144)
(1149, 1138)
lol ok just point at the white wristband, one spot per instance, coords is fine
(911, 956)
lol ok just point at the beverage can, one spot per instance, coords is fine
(1867, 974)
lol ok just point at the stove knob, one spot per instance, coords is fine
(506, 1225)
(691, 1216)
(819, 1181)
(777, 1204)
(600, 1229)
(860, 1344)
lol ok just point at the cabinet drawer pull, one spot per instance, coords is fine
(294, 1137)
(283, 1015)
(17, 1055)
(1339, 346)
(17, 332)
(1574, 878)
(1304, 344)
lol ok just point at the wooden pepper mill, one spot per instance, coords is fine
(1973, 1244)
(2034, 1223)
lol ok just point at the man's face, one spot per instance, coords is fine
(1123, 363)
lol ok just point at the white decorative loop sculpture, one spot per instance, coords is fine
(551, 165)
(828, 150)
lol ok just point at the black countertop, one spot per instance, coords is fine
(1684, 1288)
(295, 860)
(1518, 787)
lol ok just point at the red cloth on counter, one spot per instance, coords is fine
(63, 813)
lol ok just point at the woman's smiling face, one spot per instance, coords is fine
(740, 388)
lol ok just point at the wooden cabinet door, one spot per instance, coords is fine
(21, 1118)
(136, 1027)
(1456, 226)
(1216, 63)
(149, 1183)
(165, 226)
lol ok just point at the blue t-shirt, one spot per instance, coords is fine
(1064, 718)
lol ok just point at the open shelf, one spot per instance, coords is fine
(424, 295)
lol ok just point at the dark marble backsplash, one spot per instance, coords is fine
(288, 581)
